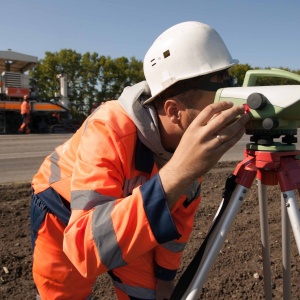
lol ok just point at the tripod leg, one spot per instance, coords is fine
(216, 242)
(294, 214)
(286, 251)
(264, 228)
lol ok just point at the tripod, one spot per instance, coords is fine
(270, 168)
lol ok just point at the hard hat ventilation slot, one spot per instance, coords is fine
(166, 53)
(153, 63)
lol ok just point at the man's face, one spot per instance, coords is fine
(203, 98)
(189, 105)
(185, 115)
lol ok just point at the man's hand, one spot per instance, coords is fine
(164, 289)
(202, 145)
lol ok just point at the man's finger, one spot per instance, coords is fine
(211, 110)
(227, 118)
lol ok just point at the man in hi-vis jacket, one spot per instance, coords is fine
(121, 194)
(25, 115)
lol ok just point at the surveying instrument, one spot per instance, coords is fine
(274, 113)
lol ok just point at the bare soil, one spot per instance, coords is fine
(232, 276)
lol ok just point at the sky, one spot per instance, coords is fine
(263, 33)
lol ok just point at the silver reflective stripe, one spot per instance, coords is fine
(88, 199)
(174, 246)
(135, 291)
(105, 238)
(132, 183)
(85, 126)
(54, 168)
(193, 191)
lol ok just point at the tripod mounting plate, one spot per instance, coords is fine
(274, 147)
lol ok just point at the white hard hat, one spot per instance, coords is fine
(186, 50)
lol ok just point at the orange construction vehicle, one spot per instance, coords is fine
(14, 85)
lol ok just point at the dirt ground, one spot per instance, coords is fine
(232, 276)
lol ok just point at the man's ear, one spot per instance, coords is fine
(172, 110)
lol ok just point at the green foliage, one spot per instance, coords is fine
(44, 74)
(116, 74)
(239, 71)
(92, 79)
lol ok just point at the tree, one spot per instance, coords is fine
(239, 71)
(44, 74)
(91, 78)
(116, 74)
(89, 82)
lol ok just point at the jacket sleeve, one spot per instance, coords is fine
(168, 255)
(109, 225)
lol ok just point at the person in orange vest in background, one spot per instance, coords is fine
(94, 107)
(121, 194)
(25, 114)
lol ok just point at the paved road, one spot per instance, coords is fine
(21, 155)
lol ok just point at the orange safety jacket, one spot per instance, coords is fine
(25, 108)
(118, 206)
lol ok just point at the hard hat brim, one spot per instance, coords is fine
(234, 62)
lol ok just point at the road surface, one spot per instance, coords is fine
(21, 155)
